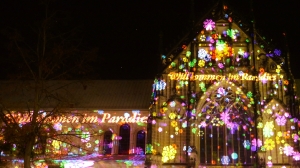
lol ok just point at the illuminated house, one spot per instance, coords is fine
(224, 98)
(103, 121)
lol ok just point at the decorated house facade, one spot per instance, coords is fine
(225, 97)
(97, 123)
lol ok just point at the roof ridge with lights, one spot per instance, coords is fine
(224, 11)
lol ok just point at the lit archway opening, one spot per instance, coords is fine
(226, 127)
(107, 142)
(125, 139)
(140, 142)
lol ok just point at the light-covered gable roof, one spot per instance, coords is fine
(224, 17)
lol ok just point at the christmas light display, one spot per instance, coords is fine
(209, 24)
(227, 97)
(168, 153)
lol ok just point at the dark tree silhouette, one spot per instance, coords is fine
(45, 46)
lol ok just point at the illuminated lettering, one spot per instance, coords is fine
(172, 76)
(24, 119)
(112, 120)
(206, 77)
(186, 76)
(244, 76)
(62, 119)
(192, 77)
(182, 76)
(86, 119)
(248, 77)
(201, 77)
(220, 77)
(262, 77)
(234, 77)
(132, 119)
(105, 116)
(90, 119)
(144, 119)
(75, 119)
(127, 119)
(118, 118)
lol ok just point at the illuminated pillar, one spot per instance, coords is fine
(279, 89)
(101, 144)
(268, 88)
(115, 140)
(261, 91)
(132, 146)
(115, 147)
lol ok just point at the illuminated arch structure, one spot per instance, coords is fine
(224, 100)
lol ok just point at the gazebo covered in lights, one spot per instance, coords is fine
(225, 97)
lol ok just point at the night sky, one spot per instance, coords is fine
(127, 31)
